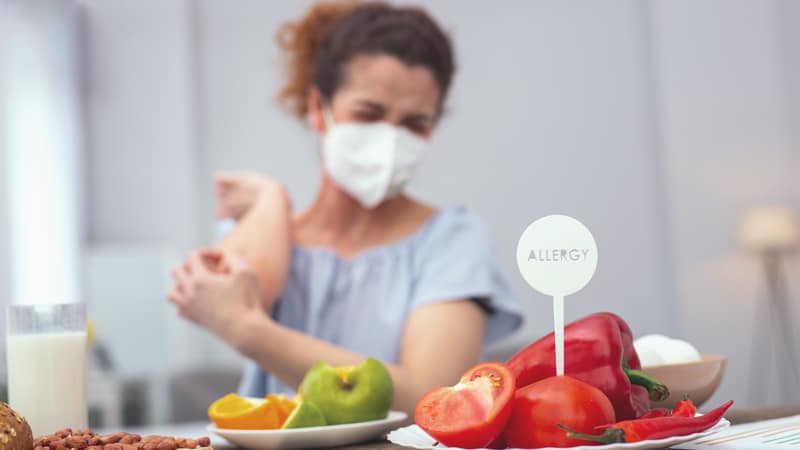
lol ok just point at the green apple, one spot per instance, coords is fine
(349, 394)
(305, 414)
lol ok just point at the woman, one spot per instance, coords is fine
(365, 270)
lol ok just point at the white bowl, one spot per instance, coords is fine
(698, 380)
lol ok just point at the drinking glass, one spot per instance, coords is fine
(46, 361)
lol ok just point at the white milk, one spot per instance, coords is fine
(47, 380)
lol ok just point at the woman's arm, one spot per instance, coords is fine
(262, 237)
(440, 342)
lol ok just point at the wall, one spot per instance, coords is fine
(789, 35)
(43, 138)
(143, 166)
(5, 250)
(724, 89)
(142, 134)
(241, 127)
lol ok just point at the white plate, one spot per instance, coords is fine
(413, 436)
(311, 437)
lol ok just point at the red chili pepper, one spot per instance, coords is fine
(684, 408)
(598, 350)
(655, 428)
(653, 413)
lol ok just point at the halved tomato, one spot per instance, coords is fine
(472, 413)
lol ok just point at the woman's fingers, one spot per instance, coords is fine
(182, 274)
(224, 181)
(199, 264)
(237, 192)
(183, 312)
(222, 212)
(176, 297)
(224, 185)
(235, 263)
(213, 261)
(243, 275)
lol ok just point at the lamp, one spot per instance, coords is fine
(772, 233)
(771, 229)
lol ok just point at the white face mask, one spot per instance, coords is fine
(371, 161)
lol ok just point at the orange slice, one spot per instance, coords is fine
(284, 404)
(238, 413)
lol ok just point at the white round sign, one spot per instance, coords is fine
(557, 255)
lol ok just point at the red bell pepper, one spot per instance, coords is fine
(598, 350)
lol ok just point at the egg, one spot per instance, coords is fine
(677, 351)
(657, 349)
(648, 356)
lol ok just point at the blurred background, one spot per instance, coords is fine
(660, 124)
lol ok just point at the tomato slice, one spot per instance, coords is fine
(474, 412)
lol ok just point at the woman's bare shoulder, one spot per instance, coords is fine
(419, 211)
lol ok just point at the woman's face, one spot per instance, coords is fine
(382, 88)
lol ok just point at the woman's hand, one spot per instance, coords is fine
(237, 192)
(262, 236)
(216, 290)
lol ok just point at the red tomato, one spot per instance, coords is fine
(472, 413)
(498, 444)
(540, 406)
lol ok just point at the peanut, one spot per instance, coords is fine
(76, 442)
(68, 439)
(112, 438)
(129, 439)
(63, 433)
(167, 444)
(187, 443)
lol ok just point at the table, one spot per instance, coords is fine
(736, 416)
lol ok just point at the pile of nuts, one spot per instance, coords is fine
(67, 439)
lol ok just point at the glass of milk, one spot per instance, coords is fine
(46, 360)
